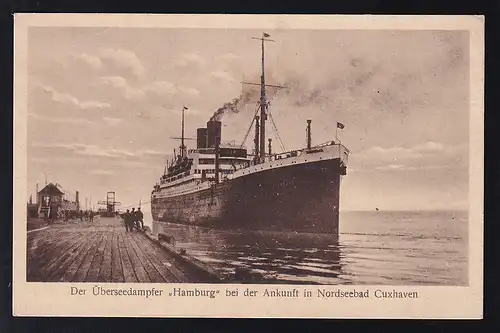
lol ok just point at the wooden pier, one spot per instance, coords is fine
(102, 251)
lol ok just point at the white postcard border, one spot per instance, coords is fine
(53, 299)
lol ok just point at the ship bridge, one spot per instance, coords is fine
(199, 164)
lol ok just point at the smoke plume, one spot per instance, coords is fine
(236, 105)
(298, 90)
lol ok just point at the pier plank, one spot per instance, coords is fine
(43, 254)
(140, 272)
(78, 262)
(153, 274)
(83, 270)
(96, 264)
(163, 263)
(128, 270)
(100, 252)
(105, 271)
(116, 263)
(55, 256)
(59, 267)
(174, 266)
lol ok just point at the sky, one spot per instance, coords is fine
(105, 103)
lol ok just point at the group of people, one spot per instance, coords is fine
(88, 215)
(133, 219)
(66, 215)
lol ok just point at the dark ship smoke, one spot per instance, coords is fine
(297, 90)
(235, 105)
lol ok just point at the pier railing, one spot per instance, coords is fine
(291, 153)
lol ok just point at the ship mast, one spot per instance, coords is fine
(182, 151)
(261, 152)
(183, 147)
(263, 106)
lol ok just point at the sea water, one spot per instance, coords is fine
(379, 247)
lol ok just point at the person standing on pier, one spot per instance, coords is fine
(126, 220)
(139, 219)
(133, 218)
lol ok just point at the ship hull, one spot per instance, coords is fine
(300, 198)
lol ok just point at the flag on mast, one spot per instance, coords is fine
(267, 35)
(185, 108)
(340, 125)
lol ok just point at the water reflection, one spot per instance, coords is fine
(387, 248)
(258, 256)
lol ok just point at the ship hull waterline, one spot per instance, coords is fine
(298, 198)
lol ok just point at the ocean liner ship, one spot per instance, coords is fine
(223, 186)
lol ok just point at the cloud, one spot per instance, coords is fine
(112, 121)
(189, 59)
(39, 160)
(229, 56)
(60, 120)
(429, 147)
(85, 149)
(400, 167)
(123, 152)
(93, 104)
(93, 61)
(392, 153)
(404, 153)
(101, 172)
(122, 84)
(391, 167)
(94, 150)
(123, 58)
(153, 152)
(192, 111)
(69, 99)
(193, 92)
(97, 151)
(91, 150)
(223, 75)
(424, 156)
(161, 88)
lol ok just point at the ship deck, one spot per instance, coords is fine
(101, 251)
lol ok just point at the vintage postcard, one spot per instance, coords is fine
(248, 166)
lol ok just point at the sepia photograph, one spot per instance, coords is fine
(273, 155)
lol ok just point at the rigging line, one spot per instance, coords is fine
(145, 202)
(278, 141)
(250, 128)
(125, 207)
(277, 132)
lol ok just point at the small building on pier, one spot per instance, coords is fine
(52, 199)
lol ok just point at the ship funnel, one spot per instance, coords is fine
(213, 133)
(201, 138)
